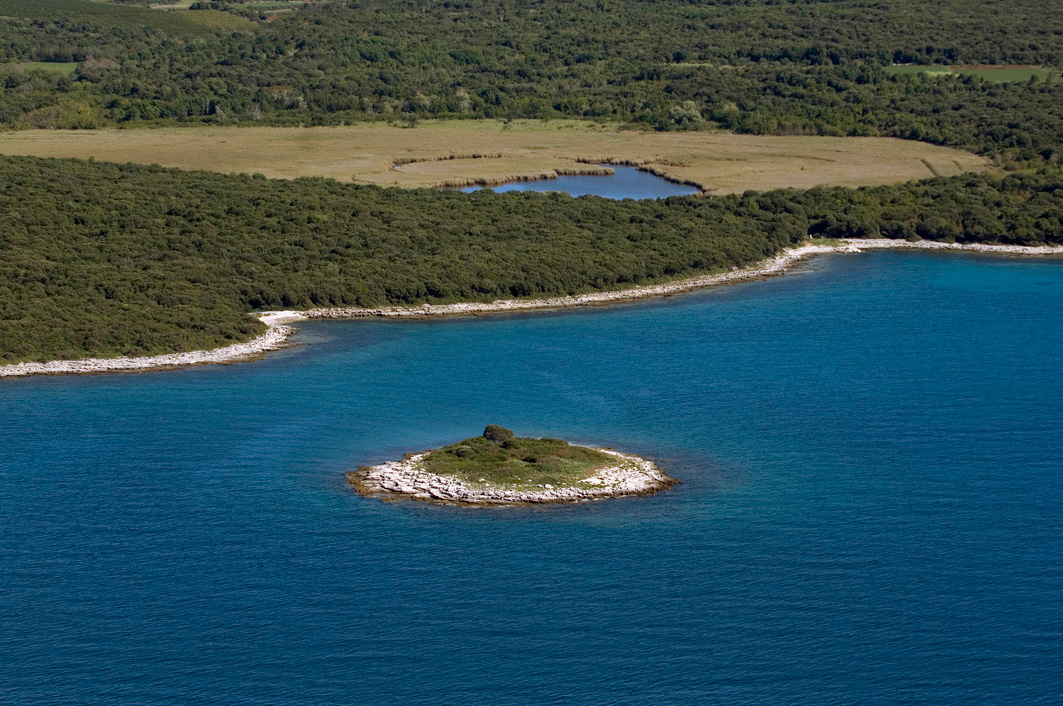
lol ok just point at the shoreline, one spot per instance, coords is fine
(545, 175)
(405, 479)
(277, 335)
(596, 167)
(275, 338)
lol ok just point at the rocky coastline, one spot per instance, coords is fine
(766, 268)
(632, 475)
(854, 245)
(277, 335)
(275, 338)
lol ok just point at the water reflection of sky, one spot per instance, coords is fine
(625, 183)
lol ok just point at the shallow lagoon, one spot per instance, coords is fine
(624, 183)
(871, 456)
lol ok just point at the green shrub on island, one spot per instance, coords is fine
(499, 458)
(498, 434)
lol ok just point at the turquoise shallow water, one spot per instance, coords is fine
(871, 457)
(624, 183)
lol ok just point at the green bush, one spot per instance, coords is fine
(497, 434)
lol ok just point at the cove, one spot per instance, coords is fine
(871, 464)
(625, 183)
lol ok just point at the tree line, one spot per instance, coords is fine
(763, 67)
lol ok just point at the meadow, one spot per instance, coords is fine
(753, 68)
(101, 15)
(215, 19)
(458, 153)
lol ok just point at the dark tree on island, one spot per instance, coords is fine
(497, 434)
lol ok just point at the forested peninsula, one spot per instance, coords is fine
(106, 260)
(101, 260)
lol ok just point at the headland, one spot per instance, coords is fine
(277, 335)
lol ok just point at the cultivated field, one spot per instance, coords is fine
(457, 153)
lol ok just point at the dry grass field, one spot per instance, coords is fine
(458, 153)
(216, 19)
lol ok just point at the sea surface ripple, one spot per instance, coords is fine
(871, 455)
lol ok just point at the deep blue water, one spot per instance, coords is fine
(871, 507)
(625, 183)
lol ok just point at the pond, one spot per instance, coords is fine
(625, 183)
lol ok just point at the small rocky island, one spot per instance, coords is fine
(499, 468)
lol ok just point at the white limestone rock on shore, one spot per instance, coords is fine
(632, 475)
(277, 335)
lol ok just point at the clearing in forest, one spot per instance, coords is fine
(1000, 73)
(458, 153)
(59, 67)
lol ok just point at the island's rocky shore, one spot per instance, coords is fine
(632, 475)
(278, 334)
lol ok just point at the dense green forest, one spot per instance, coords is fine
(101, 259)
(757, 66)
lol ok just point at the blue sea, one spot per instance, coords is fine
(624, 183)
(871, 509)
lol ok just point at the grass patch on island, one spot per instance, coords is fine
(498, 458)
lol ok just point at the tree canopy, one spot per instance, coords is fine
(755, 66)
